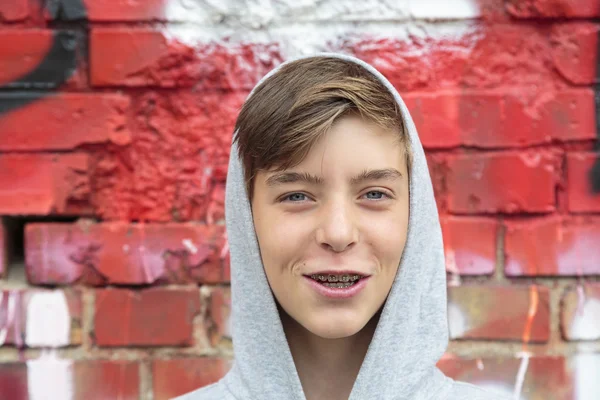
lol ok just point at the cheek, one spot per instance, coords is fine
(281, 241)
(387, 236)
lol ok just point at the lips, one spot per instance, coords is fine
(337, 284)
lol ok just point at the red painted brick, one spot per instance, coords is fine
(4, 249)
(13, 381)
(499, 313)
(502, 182)
(579, 190)
(154, 317)
(113, 379)
(98, 378)
(43, 184)
(575, 51)
(553, 8)
(172, 378)
(219, 313)
(470, 245)
(580, 312)
(492, 119)
(21, 310)
(40, 59)
(146, 57)
(545, 377)
(499, 55)
(21, 51)
(14, 10)
(568, 115)
(122, 253)
(553, 246)
(125, 10)
(181, 153)
(63, 121)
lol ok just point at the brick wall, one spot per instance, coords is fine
(115, 125)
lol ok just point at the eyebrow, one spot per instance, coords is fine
(281, 178)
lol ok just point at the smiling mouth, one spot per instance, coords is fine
(336, 281)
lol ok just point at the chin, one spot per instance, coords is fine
(336, 328)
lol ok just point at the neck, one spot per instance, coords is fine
(327, 368)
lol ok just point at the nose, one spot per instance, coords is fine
(337, 230)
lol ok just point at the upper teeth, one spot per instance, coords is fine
(335, 278)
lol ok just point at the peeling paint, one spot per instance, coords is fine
(189, 245)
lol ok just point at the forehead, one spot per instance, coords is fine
(353, 149)
(352, 141)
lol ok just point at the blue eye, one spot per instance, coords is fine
(375, 195)
(295, 197)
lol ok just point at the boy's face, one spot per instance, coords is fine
(350, 218)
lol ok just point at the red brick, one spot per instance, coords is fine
(492, 119)
(570, 115)
(545, 377)
(499, 313)
(113, 379)
(498, 55)
(181, 155)
(40, 318)
(553, 246)
(13, 381)
(40, 59)
(146, 57)
(14, 10)
(502, 182)
(154, 317)
(219, 313)
(75, 380)
(470, 245)
(4, 249)
(43, 184)
(553, 8)
(580, 312)
(125, 10)
(579, 190)
(122, 253)
(63, 121)
(172, 378)
(575, 51)
(21, 51)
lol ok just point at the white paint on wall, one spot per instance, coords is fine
(586, 326)
(585, 369)
(444, 9)
(50, 378)
(260, 13)
(48, 320)
(457, 321)
(497, 387)
(310, 26)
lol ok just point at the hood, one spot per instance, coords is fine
(412, 333)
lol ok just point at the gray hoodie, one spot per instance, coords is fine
(412, 333)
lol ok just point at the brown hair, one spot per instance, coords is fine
(293, 108)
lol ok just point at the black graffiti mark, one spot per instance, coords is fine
(594, 174)
(66, 9)
(58, 65)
